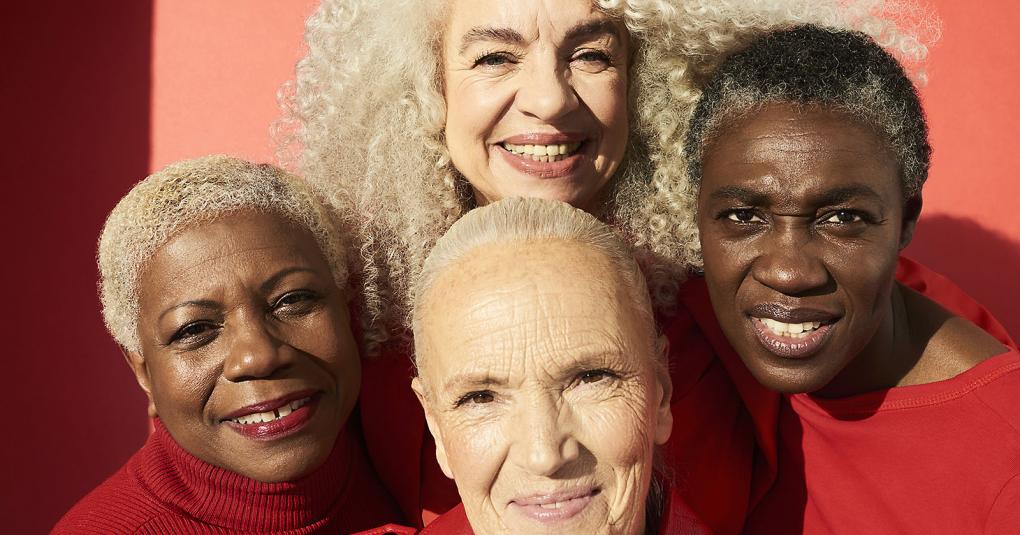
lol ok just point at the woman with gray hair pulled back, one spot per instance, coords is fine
(226, 285)
(418, 111)
(543, 378)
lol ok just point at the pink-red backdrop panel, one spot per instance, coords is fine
(96, 97)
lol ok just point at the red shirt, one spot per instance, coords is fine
(164, 489)
(723, 448)
(942, 457)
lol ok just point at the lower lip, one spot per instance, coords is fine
(558, 169)
(789, 347)
(281, 427)
(567, 510)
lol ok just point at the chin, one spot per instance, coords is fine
(787, 380)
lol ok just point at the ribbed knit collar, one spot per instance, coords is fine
(226, 499)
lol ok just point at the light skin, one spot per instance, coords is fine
(802, 218)
(237, 312)
(521, 73)
(541, 384)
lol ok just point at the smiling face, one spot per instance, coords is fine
(802, 218)
(543, 390)
(246, 350)
(536, 96)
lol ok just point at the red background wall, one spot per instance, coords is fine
(96, 97)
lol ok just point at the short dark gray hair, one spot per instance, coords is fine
(811, 66)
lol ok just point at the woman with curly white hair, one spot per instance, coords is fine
(417, 111)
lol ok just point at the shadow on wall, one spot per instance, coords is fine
(76, 122)
(982, 262)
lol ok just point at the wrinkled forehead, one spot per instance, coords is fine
(530, 309)
(526, 21)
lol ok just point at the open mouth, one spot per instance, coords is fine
(543, 153)
(274, 419)
(793, 330)
(271, 415)
(792, 340)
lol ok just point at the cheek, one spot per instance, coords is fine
(618, 431)
(607, 100)
(475, 451)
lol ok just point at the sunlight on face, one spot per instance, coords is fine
(536, 96)
(801, 216)
(247, 353)
(542, 387)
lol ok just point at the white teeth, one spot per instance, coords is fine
(269, 416)
(543, 153)
(793, 330)
(557, 505)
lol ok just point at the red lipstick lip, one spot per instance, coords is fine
(273, 404)
(537, 138)
(280, 427)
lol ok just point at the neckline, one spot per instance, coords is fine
(229, 500)
(913, 396)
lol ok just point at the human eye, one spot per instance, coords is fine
(477, 397)
(592, 59)
(194, 333)
(742, 215)
(844, 217)
(494, 60)
(595, 376)
(295, 302)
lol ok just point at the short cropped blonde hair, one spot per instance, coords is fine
(193, 192)
(530, 220)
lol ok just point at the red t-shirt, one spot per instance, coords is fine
(942, 457)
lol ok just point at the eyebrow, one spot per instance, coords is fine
(471, 380)
(279, 275)
(488, 33)
(511, 36)
(832, 196)
(264, 288)
(845, 193)
(200, 303)
(736, 193)
(594, 360)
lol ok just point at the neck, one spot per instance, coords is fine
(220, 497)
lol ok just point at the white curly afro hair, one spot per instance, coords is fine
(193, 192)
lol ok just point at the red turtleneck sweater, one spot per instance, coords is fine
(164, 489)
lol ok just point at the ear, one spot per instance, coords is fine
(664, 412)
(911, 212)
(444, 463)
(141, 371)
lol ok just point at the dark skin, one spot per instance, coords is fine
(802, 218)
(237, 312)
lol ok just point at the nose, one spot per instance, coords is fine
(254, 351)
(542, 440)
(789, 261)
(545, 92)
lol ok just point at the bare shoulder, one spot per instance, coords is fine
(949, 345)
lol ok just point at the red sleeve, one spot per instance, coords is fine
(1004, 518)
